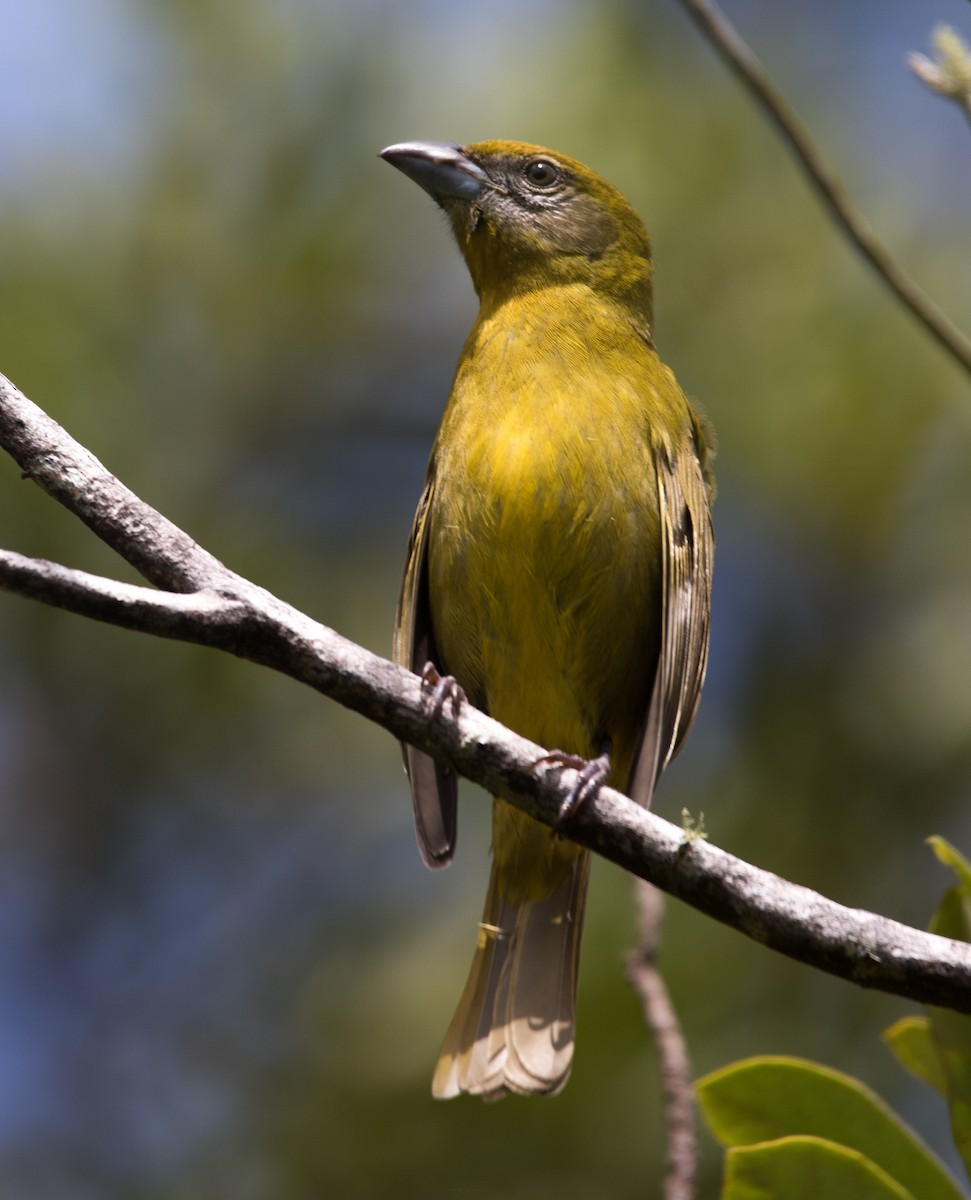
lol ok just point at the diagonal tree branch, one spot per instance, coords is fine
(71, 474)
(739, 56)
(211, 605)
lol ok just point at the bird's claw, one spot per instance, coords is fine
(591, 776)
(444, 689)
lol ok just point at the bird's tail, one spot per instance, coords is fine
(513, 1029)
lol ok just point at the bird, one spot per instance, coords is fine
(559, 566)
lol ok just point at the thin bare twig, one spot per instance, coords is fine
(211, 605)
(739, 56)
(680, 1114)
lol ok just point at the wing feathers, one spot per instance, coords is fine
(687, 551)
(434, 788)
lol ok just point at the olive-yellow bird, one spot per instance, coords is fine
(559, 565)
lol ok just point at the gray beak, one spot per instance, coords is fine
(440, 168)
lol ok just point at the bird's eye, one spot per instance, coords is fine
(541, 174)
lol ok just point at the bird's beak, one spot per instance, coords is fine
(440, 168)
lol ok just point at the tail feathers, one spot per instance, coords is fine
(513, 1030)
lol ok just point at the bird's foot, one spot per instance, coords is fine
(443, 689)
(591, 776)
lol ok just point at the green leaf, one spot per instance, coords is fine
(952, 858)
(951, 1033)
(763, 1099)
(911, 1041)
(953, 916)
(806, 1168)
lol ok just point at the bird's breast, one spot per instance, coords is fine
(544, 552)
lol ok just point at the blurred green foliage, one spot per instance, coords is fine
(223, 970)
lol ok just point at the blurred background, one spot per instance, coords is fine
(223, 969)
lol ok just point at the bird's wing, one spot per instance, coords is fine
(433, 786)
(687, 551)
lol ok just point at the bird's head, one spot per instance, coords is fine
(526, 218)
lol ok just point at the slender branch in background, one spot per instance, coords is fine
(680, 1113)
(211, 605)
(949, 73)
(743, 62)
